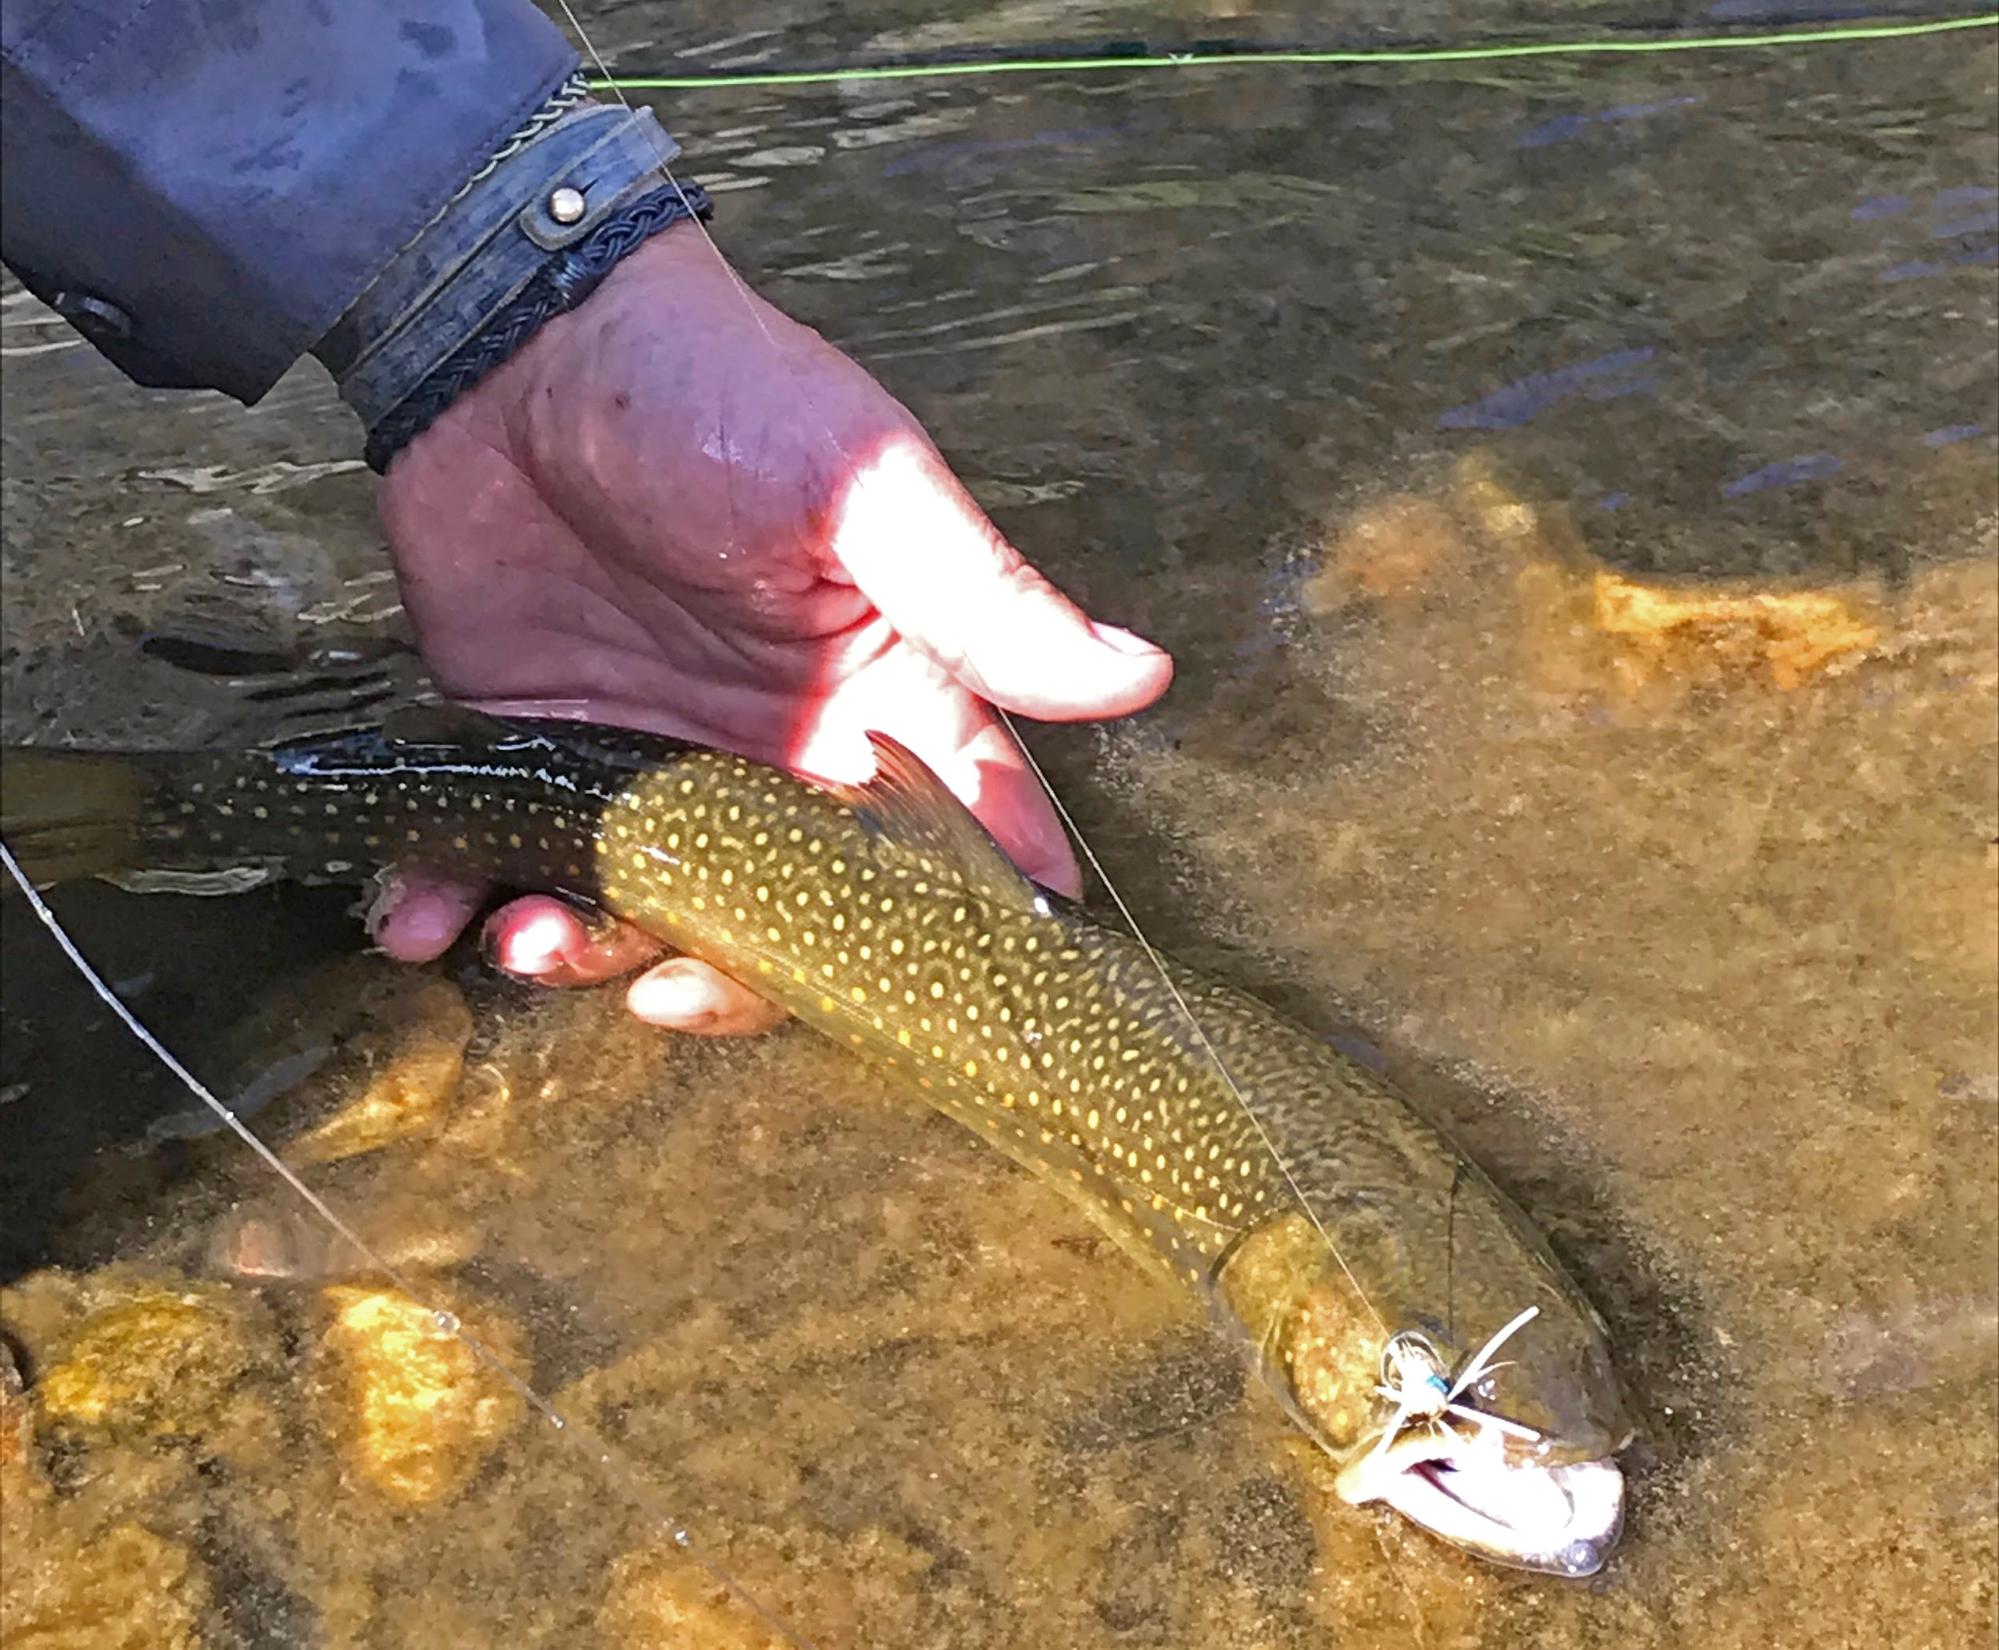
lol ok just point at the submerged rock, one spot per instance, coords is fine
(1791, 635)
(125, 1588)
(309, 1049)
(149, 1360)
(417, 1413)
(405, 1078)
(77, 1570)
(276, 1242)
(663, 1603)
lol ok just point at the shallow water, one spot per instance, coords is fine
(1570, 494)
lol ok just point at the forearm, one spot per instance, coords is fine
(207, 196)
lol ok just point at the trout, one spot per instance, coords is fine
(1396, 1304)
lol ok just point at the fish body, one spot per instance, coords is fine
(1356, 1255)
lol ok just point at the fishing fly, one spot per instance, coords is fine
(1414, 1383)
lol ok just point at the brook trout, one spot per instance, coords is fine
(1394, 1301)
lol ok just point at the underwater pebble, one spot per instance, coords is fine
(410, 1087)
(157, 1362)
(122, 1589)
(416, 1412)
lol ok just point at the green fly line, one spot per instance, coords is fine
(1286, 56)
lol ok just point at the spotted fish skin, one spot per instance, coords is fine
(1313, 1211)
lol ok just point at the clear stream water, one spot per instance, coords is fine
(1569, 489)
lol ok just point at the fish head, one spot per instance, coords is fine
(1504, 1446)
(1499, 1413)
(1493, 1426)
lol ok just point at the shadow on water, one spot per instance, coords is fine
(1568, 492)
(80, 1091)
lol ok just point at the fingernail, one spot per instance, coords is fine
(382, 903)
(1060, 877)
(675, 998)
(532, 949)
(1047, 855)
(421, 923)
(1127, 642)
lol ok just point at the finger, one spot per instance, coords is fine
(919, 547)
(417, 912)
(908, 697)
(1011, 802)
(541, 939)
(686, 994)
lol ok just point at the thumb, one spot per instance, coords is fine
(919, 547)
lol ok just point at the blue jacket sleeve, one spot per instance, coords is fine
(204, 186)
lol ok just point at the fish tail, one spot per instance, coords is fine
(69, 814)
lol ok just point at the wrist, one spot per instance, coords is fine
(528, 236)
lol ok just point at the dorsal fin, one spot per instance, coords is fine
(914, 812)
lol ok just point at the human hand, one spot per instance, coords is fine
(677, 509)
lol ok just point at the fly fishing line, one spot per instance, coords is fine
(1146, 59)
(743, 293)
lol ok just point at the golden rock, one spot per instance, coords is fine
(660, 1601)
(152, 1362)
(417, 1411)
(1791, 635)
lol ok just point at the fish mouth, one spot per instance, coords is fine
(1556, 1519)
